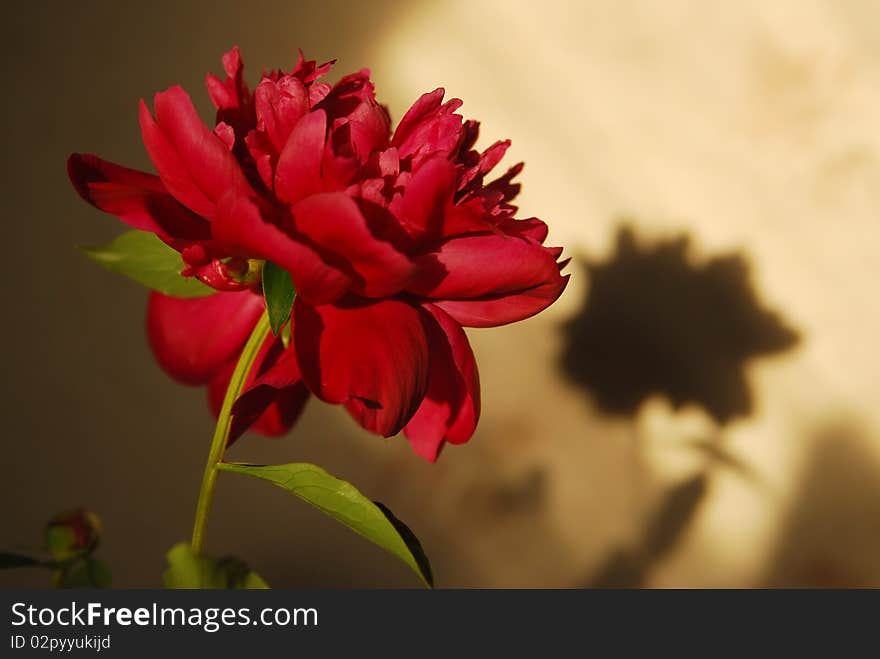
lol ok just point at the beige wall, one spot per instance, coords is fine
(750, 127)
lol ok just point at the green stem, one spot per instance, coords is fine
(221, 432)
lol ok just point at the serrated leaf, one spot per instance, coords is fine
(141, 256)
(279, 292)
(344, 503)
(9, 561)
(188, 570)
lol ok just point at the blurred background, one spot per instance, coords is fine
(701, 407)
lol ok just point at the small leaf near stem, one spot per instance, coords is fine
(221, 432)
(279, 292)
(141, 256)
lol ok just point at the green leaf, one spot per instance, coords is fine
(342, 501)
(252, 581)
(189, 570)
(279, 293)
(141, 256)
(89, 573)
(9, 561)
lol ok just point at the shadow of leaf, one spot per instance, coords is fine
(629, 568)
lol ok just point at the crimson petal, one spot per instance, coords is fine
(451, 407)
(333, 222)
(531, 228)
(279, 106)
(429, 126)
(137, 198)
(231, 93)
(273, 395)
(193, 338)
(372, 357)
(488, 280)
(298, 172)
(421, 208)
(243, 226)
(492, 312)
(195, 165)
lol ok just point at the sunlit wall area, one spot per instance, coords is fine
(699, 409)
(715, 166)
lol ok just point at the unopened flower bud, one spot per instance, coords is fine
(72, 533)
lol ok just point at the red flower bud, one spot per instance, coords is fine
(72, 533)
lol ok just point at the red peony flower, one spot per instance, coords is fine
(394, 242)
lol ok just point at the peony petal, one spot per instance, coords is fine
(193, 338)
(318, 92)
(273, 401)
(451, 407)
(421, 208)
(352, 103)
(298, 172)
(531, 228)
(370, 124)
(372, 357)
(491, 279)
(353, 98)
(231, 93)
(273, 396)
(333, 222)
(263, 154)
(466, 218)
(486, 161)
(194, 164)
(340, 166)
(245, 227)
(309, 70)
(504, 185)
(233, 101)
(489, 264)
(138, 199)
(420, 111)
(429, 127)
(280, 104)
(276, 418)
(492, 156)
(491, 312)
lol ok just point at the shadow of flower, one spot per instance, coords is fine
(656, 322)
